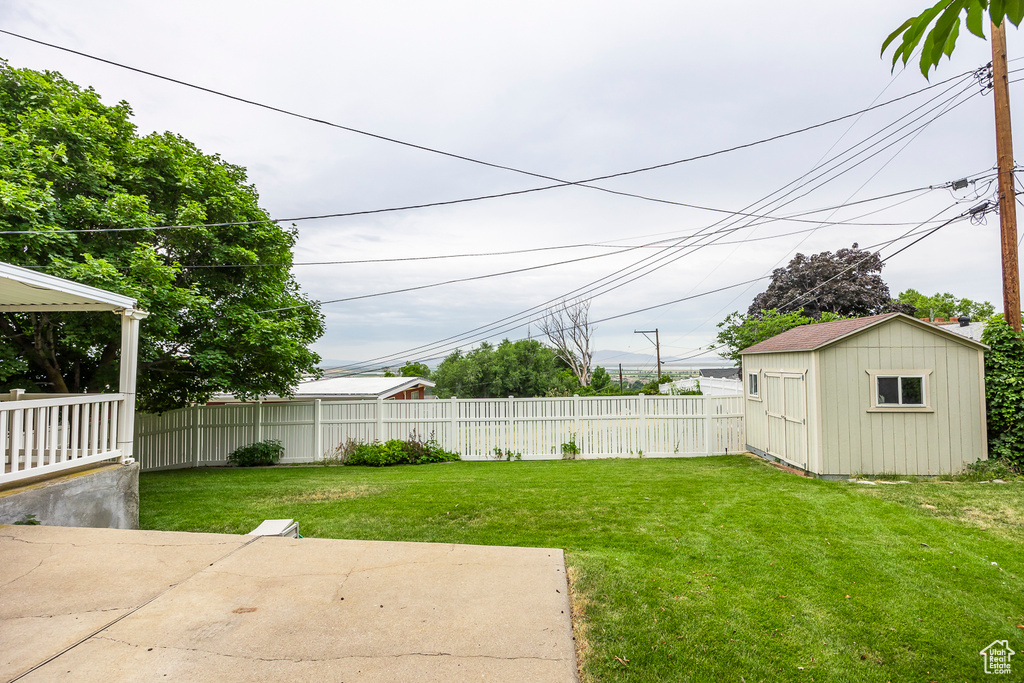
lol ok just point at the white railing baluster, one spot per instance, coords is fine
(112, 443)
(39, 436)
(76, 418)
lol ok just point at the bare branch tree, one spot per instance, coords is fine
(569, 331)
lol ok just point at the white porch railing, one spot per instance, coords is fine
(46, 435)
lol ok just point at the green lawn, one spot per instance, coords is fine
(706, 569)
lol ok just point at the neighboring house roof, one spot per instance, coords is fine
(723, 373)
(359, 386)
(817, 335)
(971, 330)
(349, 388)
(23, 289)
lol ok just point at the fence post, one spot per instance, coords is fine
(380, 419)
(453, 430)
(708, 431)
(318, 437)
(641, 437)
(510, 430)
(576, 424)
(257, 420)
(196, 415)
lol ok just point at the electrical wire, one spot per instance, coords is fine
(561, 182)
(516, 320)
(420, 287)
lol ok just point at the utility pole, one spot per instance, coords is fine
(1007, 191)
(620, 378)
(657, 343)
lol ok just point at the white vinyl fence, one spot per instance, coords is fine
(535, 428)
(709, 386)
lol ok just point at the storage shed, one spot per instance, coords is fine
(880, 394)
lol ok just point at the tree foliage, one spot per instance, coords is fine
(945, 17)
(69, 162)
(524, 368)
(738, 331)
(600, 379)
(1004, 390)
(945, 306)
(846, 283)
(415, 370)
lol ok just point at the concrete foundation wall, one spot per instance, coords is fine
(105, 497)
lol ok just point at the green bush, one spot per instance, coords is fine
(257, 454)
(1004, 391)
(398, 452)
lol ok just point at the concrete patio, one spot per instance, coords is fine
(114, 605)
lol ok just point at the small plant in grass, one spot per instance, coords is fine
(570, 451)
(507, 455)
(257, 454)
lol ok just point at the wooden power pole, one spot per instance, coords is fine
(657, 343)
(1007, 190)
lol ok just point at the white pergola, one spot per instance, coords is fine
(36, 436)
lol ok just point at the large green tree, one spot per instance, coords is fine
(945, 305)
(945, 17)
(70, 163)
(525, 368)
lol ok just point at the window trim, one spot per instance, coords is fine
(875, 407)
(756, 376)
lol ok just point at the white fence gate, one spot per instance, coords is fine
(536, 428)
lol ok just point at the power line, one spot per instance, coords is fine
(802, 295)
(517, 320)
(560, 182)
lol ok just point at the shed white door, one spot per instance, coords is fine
(786, 408)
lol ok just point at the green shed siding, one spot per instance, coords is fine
(847, 435)
(860, 440)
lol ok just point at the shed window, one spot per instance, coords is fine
(752, 384)
(900, 390)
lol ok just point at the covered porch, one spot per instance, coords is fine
(48, 434)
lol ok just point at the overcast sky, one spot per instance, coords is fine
(570, 90)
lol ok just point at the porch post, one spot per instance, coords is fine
(130, 318)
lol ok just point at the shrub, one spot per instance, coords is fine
(986, 470)
(1004, 391)
(398, 452)
(341, 453)
(257, 454)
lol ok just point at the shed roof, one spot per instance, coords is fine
(22, 289)
(359, 386)
(817, 335)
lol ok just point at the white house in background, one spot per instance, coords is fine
(347, 389)
(45, 434)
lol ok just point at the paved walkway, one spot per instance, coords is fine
(111, 605)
